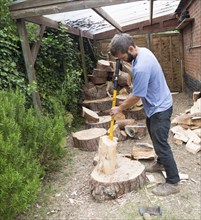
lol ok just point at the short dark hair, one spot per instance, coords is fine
(120, 43)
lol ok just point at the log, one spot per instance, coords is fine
(143, 151)
(123, 136)
(107, 155)
(100, 73)
(104, 65)
(124, 79)
(89, 115)
(136, 113)
(97, 80)
(188, 119)
(196, 95)
(104, 122)
(92, 91)
(88, 140)
(123, 122)
(98, 104)
(129, 176)
(137, 131)
(127, 67)
(109, 88)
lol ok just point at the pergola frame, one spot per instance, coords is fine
(33, 11)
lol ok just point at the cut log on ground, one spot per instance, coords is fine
(129, 176)
(92, 91)
(104, 122)
(89, 115)
(98, 104)
(136, 113)
(137, 131)
(143, 151)
(188, 119)
(88, 139)
(123, 122)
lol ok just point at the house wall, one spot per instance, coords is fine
(192, 48)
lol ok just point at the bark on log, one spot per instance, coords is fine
(89, 115)
(104, 122)
(88, 139)
(129, 175)
(97, 80)
(100, 73)
(127, 67)
(99, 104)
(92, 91)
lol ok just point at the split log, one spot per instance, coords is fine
(123, 92)
(196, 108)
(123, 122)
(143, 151)
(193, 147)
(89, 115)
(92, 91)
(129, 176)
(188, 119)
(99, 104)
(107, 155)
(121, 98)
(124, 79)
(123, 136)
(104, 122)
(137, 131)
(196, 95)
(88, 139)
(109, 88)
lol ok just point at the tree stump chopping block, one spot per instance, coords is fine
(88, 139)
(104, 122)
(129, 176)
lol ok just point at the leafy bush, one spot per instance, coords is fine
(27, 141)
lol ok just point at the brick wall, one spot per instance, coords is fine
(192, 56)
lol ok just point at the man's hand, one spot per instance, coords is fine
(115, 110)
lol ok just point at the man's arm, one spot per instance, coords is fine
(130, 101)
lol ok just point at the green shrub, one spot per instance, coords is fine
(29, 142)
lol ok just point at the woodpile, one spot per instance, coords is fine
(188, 126)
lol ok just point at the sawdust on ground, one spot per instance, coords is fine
(67, 196)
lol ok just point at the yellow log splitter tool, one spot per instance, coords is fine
(111, 135)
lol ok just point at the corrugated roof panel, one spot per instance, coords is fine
(124, 14)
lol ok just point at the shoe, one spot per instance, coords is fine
(155, 168)
(166, 189)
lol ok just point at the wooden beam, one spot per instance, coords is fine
(163, 23)
(108, 18)
(28, 61)
(36, 46)
(40, 20)
(33, 8)
(81, 43)
(151, 10)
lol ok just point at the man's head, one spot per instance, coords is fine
(123, 47)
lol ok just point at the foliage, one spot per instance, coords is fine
(29, 142)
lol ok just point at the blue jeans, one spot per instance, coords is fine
(158, 126)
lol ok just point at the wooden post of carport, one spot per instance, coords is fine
(83, 57)
(29, 63)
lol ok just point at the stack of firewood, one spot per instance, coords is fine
(188, 126)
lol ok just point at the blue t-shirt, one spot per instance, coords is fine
(149, 83)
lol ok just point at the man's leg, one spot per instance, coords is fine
(159, 129)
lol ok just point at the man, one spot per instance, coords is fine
(149, 84)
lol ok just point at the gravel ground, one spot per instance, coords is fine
(67, 195)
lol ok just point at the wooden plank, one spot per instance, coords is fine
(36, 46)
(28, 60)
(108, 18)
(83, 58)
(37, 8)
